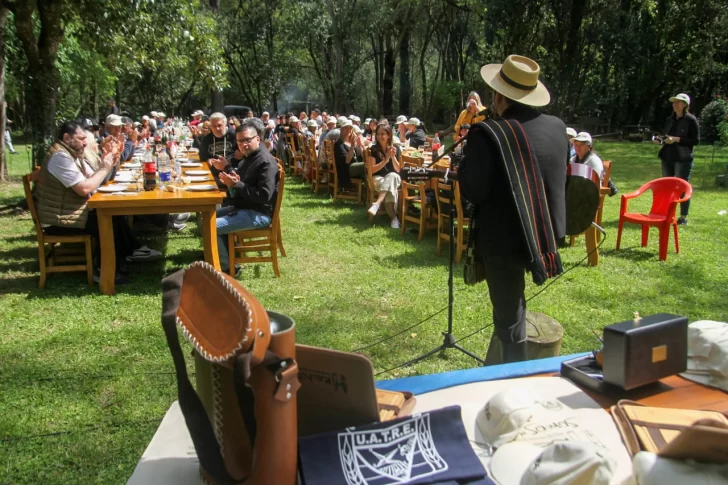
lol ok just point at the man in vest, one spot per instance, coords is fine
(64, 185)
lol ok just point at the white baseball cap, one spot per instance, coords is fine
(113, 120)
(312, 124)
(583, 136)
(160, 114)
(681, 97)
(344, 124)
(351, 117)
(570, 132)
(356, 118)
(400, 119)
(153, 113)
(293, 119)
(367, 121)
(330, 120)
(413, 121)
(560, 463)
(145, 118)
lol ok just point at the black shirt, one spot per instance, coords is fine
(378, 155)
(212, 146)
(688, 130)
(416, 138)
(342, 168)
(258, 186)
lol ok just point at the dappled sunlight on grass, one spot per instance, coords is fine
(70, 357)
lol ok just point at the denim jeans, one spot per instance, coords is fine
(680, 170)
(230, 219)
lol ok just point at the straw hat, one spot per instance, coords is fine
(517, 79)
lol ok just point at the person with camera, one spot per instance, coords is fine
(252, 185)
(682, 133)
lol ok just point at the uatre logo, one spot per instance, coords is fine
(397, 454)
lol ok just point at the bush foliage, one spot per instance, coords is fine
(712, 115)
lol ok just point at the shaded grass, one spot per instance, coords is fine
(71, 358)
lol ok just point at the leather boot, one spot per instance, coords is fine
(515, 352)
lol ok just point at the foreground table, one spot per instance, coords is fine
(153, 202)
(170, 458)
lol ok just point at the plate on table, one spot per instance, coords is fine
(131, 165)
(197, 172)
(199, 178)
(190, 164)
(113, 188)
(123, 177)
(193, 150)
(201, 187)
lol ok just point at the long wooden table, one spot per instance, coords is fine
(154, 202)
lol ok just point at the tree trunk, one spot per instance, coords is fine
(388, 78)
(3, 162)
(41, 90)
(216, 99)
(405, 84)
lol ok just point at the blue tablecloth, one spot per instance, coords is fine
(433, 382)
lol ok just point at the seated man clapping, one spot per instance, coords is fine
(252, 185)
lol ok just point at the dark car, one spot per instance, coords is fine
(235, 110)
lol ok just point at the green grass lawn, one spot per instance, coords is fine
(86, 378)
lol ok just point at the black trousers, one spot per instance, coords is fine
(124, 240)
(505, 276)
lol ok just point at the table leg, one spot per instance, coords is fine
(108, 253)
(209, 238)
(591, 245)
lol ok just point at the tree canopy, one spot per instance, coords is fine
(610, 62)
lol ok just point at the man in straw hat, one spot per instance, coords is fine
(514, 232)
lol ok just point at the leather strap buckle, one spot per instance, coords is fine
(287, 383)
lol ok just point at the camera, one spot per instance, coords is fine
(659, 138)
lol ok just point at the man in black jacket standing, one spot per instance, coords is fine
(500, 241)
(252, 186)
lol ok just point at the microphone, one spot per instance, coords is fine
(599, 228)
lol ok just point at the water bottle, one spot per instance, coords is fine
(435, 143)
(164, 168)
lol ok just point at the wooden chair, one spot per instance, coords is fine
(413, 195)
(443, 219)
(52, 256)
(604, 191)
(316, 170)
(280, 234)
(338, 193)
(310, 168)
(259, 240)
(294, 157)
(330, 162)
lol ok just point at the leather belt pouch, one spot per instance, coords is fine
(644, 350)
(673, 433)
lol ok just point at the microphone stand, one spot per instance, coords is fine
(449, 341)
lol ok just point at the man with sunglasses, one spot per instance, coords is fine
(252, 186)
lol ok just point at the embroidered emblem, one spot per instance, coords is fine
(398, 454)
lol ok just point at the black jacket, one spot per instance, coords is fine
(258, 186)
(483, 182)
(417, 138)
(688, 130)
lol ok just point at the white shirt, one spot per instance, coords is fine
(67, 170)
(592, 160)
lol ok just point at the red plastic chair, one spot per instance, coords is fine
(667, 193)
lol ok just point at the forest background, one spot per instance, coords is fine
(610, 64)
